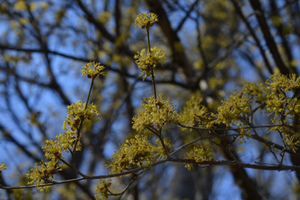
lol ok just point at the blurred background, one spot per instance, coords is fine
(212, 47)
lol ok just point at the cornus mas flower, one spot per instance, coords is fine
(137, 152)
(150, 59)
(102, 189)
(92, 70)
(2, 167)
(154, 113)
(198, 154)
(194, 114)
(42, 173)
(144, 20)
(79, 111)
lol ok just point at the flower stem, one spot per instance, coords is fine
(90, 90)
(81, 122)
(151, 67)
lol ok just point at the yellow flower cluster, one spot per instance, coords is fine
(69, 141)
(198, 154)
(2, 167)
(149, 60)
(283, 100)
(154, 113)
(54, 149)
(233, 109)
(282, 82)
(92, 70)
(145, 20)
(160, 151)
(256, 91)
(194, 114)
(102, 189)
(278, 100)
(77, 113)
(291, 142)
(278, 97)
(137, 152)
(42, 173)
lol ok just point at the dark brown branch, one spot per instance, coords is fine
(262, 52)
(287, 49)
(272, 167)
(179, 56)
(268, 36)
(186, 16)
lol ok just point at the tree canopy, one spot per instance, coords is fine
(153, 99)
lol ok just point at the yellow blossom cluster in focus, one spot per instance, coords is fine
(144, 20)
(137, 152)
(194, 113)
(42, 174)
(93, 70)
(154, 113)
(149, 60)
(69, 141)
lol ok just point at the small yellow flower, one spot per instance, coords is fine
(155, 113)
(2, 167)
(144, 20)
(92, 70)
(194, 113)
(150, 59)
(137, 152)
(102, 189)
(77, 112)
(198, 154)
(42, 173)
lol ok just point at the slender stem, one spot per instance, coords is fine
(148, 39)
(90, 91)
(81, 122)
(151, 67)
(121, 194)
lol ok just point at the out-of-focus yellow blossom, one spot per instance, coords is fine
(135, 152)
(278, 101)
(42, 173)
(198, 154)
(93, 70)
(65, 142)
(283, 100)
(233, 109)
(160, 151)
(194, 113)
(102, 189)
(2, 167)
(154, 113)
(150, 59)
(144, 20)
